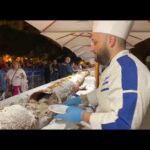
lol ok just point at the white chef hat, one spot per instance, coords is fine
(118, 28)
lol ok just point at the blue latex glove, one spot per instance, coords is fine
(73, 101)
(72, 115)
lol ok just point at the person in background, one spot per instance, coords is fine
(55, 70)
(66, 68)
(46, 73)
(2, 64)
(73, 65)
(3, 83)
(17, 79)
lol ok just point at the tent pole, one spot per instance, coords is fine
(48, 26)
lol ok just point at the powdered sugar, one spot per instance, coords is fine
(16, 117)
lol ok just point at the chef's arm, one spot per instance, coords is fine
(123, 105)
(106, 120)
(96, 119)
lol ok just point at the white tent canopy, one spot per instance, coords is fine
(76, 34)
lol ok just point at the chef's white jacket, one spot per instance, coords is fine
(123, 94)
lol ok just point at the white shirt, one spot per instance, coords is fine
(123, 95)
(17, 79)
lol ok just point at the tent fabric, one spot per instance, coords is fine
(75, 35)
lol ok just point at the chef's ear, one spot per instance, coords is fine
(111, 41)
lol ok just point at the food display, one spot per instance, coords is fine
(17, 117)
(29, 110)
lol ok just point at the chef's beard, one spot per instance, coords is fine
(103, 57)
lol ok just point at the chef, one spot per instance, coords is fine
(122, 97)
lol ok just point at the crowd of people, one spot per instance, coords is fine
(55, 70)
(15, 75)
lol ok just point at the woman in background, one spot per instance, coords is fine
(17, 79)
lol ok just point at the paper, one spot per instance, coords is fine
(57, 108)
(55, 124)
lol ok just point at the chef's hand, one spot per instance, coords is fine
(73, 101)
(72, 115)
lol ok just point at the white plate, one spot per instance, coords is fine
(57, 108)
(54, 124)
